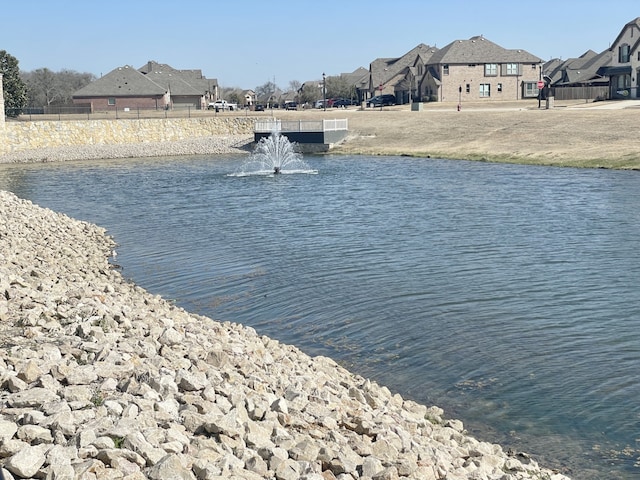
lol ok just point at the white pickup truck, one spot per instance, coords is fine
(222, 105)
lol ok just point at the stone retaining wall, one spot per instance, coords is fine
(54, 141)
(27, 136)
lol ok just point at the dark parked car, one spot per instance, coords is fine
(259, 108)
(342, 103)
(290, 106)
(381, 100)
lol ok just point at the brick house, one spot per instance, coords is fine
(480, 70)
(624, 69)
(154, 86)
(400, 76)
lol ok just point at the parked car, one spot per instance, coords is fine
(321, 103)
(222, 105)
(259, 107)
(381, 100)
(342, 103)
(290, 106)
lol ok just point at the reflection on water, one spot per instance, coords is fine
(506, 294)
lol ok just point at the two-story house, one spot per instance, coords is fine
(400, 76)
(624, 70)
(478, 69)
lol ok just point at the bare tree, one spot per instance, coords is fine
(311, 92)
(41, 86)
(265, 92)
(295, 86)
(46, 87)
(70, 81)
(339, 86)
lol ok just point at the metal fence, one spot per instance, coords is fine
(29, 114)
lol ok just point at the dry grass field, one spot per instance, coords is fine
(578, 134)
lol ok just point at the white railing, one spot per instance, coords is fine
(276, 125)
(336, 124)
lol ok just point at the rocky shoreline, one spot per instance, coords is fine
(213, 145)
(103, 380)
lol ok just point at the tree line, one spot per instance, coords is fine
(335, 87)
(38, 88)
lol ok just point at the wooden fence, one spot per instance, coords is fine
(591, 92)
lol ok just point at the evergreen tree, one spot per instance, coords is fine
(13, 88)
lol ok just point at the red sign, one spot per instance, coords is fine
(540, 85)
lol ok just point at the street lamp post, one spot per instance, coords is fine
(539, 89)
(324, 91)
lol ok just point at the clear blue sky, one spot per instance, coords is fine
(247, 43)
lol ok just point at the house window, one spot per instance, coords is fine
(624, 53)
(499, 87)
(490, 69)
(445, 69)
(111, 101)
(511, 69)
(530, 89)
(468, 88)
(622, 81)
(485, 90)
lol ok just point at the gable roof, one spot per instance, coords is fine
(388, 70)
(480, 50)
(635, 24)
(577, 70)
(178, 82)
(359, 77)
(122, 82)
(152, 79)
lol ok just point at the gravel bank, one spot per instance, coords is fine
(102, 380)
(224, 144)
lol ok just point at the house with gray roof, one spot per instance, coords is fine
(188, 88)
(400, 76)
(578, 78)
(480, 70)
(358, 80)
(624, 69)
(154, 86)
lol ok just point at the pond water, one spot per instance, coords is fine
(506, 294)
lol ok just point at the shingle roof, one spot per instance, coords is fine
(577, 70)
(358, 77)
(384, 70)
(480, 50)
(121, 82)
(635, 23)
(178, 82)
(152, 79)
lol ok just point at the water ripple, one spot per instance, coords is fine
(505, 293)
